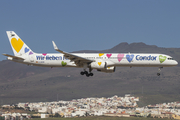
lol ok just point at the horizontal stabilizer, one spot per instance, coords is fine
(14, 57)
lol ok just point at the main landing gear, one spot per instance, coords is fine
(158, 74)
(85, 66)
(86, 73)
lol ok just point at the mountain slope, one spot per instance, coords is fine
(21, 83)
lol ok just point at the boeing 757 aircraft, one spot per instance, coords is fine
(103, 62)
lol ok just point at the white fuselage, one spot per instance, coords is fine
(104, 62)
(112, 59)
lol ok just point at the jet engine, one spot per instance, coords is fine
(108, 69)
(98, 65)
(102, 66)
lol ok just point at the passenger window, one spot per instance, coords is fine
(170, 58)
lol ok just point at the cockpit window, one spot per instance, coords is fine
(170, 58)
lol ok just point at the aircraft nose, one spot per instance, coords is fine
(175, 62)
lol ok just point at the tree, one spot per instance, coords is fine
(86, 114)
(57, 115)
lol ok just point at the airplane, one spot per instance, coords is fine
(103, 62)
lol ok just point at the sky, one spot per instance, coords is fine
(89, 24)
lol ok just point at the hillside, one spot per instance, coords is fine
(22, 83)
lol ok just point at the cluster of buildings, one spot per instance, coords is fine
(113, 106)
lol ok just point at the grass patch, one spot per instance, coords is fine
(103, 118)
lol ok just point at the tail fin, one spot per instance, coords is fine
(18, 46)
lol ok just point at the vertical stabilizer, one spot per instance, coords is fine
(18, 46)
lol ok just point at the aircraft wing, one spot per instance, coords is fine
(15, 57)
(77, 59)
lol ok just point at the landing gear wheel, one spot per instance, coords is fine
(82, 73)
(158, 74)
(91, 74)
(87, 75)
(85, 72)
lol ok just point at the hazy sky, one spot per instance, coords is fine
(89, 24)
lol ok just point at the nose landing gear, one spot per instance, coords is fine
(158, 74)
(159, 70)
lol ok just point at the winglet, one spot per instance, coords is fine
(54, 45)
(56, 48)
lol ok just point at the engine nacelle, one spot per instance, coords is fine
(98, 65)
(108, 69)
